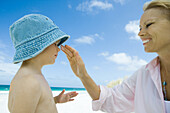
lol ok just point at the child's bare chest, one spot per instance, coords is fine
(46, 101)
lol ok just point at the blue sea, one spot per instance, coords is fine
(6, 88)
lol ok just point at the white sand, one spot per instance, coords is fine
(81, 104)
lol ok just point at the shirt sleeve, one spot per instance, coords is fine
(119, 99)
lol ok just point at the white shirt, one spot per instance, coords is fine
(141, 93)
(167, 106)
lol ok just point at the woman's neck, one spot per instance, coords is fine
(165, 64)
(164, 57)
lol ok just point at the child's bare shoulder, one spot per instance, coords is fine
(27, 81)
(24, 88)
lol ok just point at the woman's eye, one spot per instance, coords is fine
(140, 29)
(148, 25)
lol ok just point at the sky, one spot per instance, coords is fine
(104, 32)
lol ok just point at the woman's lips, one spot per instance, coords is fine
(145, 41)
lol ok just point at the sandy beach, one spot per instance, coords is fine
(81, 104)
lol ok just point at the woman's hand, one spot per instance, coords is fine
(75, 60)
(79, 70)
(63, 98)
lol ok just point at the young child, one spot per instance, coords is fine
(36, 39)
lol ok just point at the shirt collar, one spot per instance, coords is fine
(154, 69)
(153, 64)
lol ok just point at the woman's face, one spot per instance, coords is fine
(155, 31)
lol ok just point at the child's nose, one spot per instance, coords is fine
(58, 49)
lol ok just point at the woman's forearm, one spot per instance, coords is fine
(91, 87)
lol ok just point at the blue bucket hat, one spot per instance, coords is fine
(32, 34)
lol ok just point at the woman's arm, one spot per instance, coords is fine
(79, 70)
(111, 100)
(91, 87)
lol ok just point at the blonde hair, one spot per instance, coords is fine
(162, 4)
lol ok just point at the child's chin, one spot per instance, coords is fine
(50, 63)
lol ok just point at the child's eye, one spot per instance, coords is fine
(148, 25)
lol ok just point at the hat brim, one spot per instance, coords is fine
(62, 41)
(34, 47)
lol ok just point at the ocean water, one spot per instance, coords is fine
(7, 87)
(4, 87)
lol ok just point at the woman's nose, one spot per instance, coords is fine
(142, 32)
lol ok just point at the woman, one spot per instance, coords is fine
(148, 89)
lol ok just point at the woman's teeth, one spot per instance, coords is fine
(145, 41)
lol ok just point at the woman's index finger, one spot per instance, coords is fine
(70, 48)
(66, 51)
